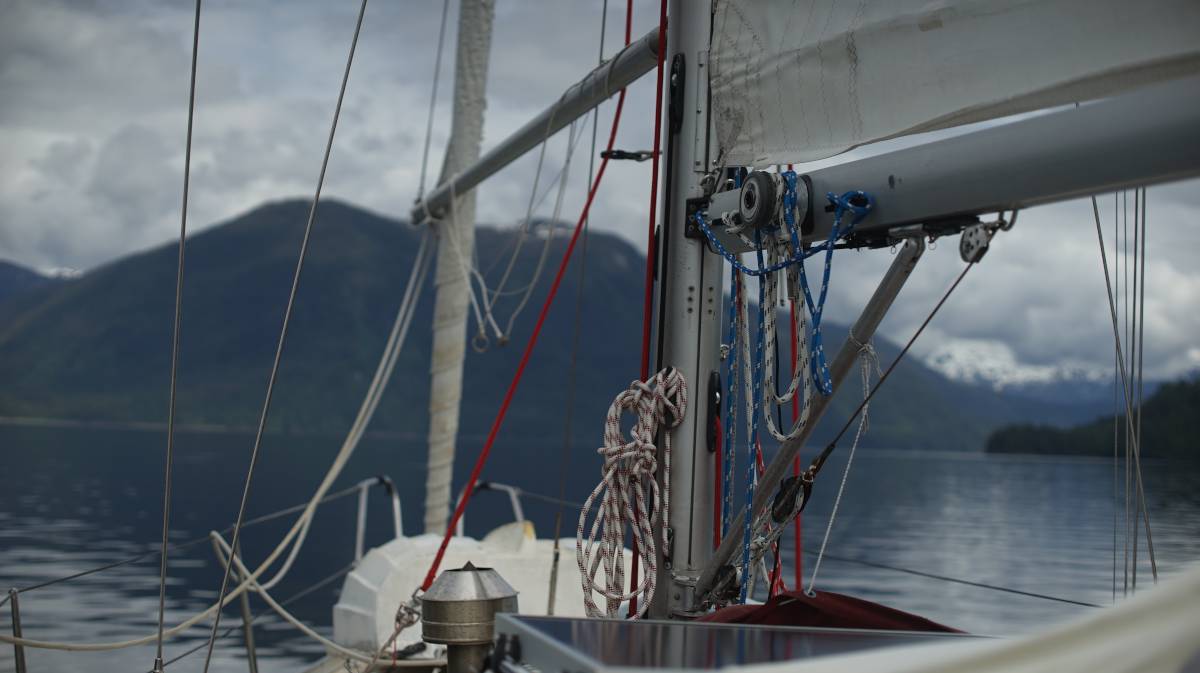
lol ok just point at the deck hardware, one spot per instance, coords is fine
(459, 611)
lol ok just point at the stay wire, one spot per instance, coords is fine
(180, 546)
(527, 292)
(170, 457)
(1131, 425)
(955, 580)
(1116, 492)
(266, 611)
(824, 455)
(1136, 450)
(523, 230)
(437, 70)
(1140, 383)
(573, 367)
(262, 422)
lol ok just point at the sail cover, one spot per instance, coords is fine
(799, 80)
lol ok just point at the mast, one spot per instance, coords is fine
(456, 250)
(690, 286)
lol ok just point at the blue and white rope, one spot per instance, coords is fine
(859, 204)
(854, 205)
(731, 402)
(752, 439)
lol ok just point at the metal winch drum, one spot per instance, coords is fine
(459, 611)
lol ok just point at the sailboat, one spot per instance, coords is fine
(1067, 98)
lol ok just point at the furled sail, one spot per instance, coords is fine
(799, 80)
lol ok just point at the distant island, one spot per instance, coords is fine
(1170, 429)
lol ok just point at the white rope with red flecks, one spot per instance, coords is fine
(629, 469)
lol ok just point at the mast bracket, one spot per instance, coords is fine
(757, 204)
(696, 205)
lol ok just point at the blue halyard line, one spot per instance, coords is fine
(818, 364)
(731, 407)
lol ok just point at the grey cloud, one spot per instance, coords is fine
(127, 181)
(96, 93)
(82, 65)
(1040, 290)
(64, 160)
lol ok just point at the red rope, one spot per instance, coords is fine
(537, 329)
(797, 527)
(651, 248)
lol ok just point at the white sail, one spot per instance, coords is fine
(799, 80)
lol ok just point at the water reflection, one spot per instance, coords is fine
(84, 498)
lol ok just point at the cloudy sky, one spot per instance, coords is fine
(92, 117)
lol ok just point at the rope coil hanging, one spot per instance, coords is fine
(658, 404)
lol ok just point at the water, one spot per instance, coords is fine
(75, 498)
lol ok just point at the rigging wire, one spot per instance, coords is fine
(312, 213)
(573, 367)
(437, 71)
(1141, 381)
(819, 461)
(955, 580)
(523, 230)
(867, 357)
(1116, 433)
(1136, 449)
(554, 186)
(1131, 339)
(490, 296)
(307, 630)
(170, 457)
(181, 546)
(524, 361)
(553, 225)
(469, 270)
(324, 582)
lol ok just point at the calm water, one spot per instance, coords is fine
(72, 499)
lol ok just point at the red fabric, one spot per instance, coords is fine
(827, 610)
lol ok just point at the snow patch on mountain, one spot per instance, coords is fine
(992, 362)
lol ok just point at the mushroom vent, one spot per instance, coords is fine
(460, 608)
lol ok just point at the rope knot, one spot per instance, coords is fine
(629, 492)
(856, 202)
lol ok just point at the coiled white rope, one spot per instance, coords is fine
(629, 468)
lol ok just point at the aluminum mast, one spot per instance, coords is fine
(690, 296)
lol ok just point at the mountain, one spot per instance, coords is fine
(98, 346)
(993, 363)
(1170, 429)
(16, 280)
